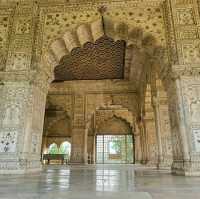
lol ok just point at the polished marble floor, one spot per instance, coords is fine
(102, 181)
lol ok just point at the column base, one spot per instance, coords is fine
(20, 166)
(165, 164)
(78, 163)
(152, 164)
(186, 168)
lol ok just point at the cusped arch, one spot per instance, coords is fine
(53, 144)
(90, 33)
(113, 111)
(115, 125)
(116, 111)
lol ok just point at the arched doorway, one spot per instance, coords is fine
(112, 131)
(53, 149)
(115, 149)
(65, 148)
(58, 154)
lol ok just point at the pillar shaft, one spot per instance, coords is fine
(158, 132)
(22, 108)
(184, 98)
(79, 146)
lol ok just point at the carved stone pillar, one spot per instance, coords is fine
(22, 106)
(184, 97)
(94, 151)
(143, 142)
(158, 131)
(138, 148)
(183, 90)
(151, 142)
(163, 131)
(91, 148)
(79, 132)
(79, 146)
(150, 129)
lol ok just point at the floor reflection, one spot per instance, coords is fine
(74, 182)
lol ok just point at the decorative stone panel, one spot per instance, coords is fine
(4, 25)
(191, 33)
(4, 35)
(8, 141)
(185, 16)
(12, 115)
(18, 61)
(191, 52)
(35, 144)
(196, 140)
(23, 25)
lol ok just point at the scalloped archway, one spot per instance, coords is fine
(142, 49)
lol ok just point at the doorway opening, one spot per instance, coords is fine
(115, 149)
(58, 154)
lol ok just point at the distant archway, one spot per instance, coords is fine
(65, 148)
(53, 149)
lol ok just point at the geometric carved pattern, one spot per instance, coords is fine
(19, 61)
(185, 17)
(191, 53)
(4, 20)
(23, 26)
(4, 25)
(102, 60)
(196, 140)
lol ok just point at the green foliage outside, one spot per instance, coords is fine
(65, 148)
(53, 149)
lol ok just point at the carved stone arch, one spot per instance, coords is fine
(106, 126)
(53, 142)
(116, 111)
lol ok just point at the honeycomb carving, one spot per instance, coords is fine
(102, 60)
